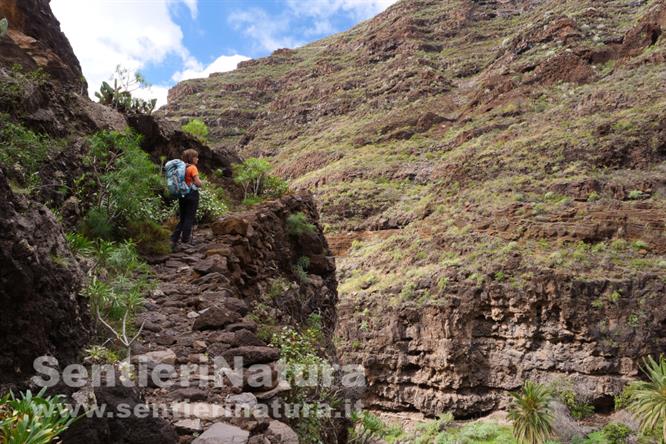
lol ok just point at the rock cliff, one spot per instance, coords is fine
(491, 176)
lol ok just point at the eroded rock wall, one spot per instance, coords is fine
(41, 313)
(465, 353)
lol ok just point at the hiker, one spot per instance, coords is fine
(188, 203)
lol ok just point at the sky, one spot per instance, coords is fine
(173, 40)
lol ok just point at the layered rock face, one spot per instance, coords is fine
(466, 352)
(492, 167)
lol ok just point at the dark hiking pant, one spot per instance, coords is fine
(187, 208)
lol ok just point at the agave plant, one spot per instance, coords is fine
(531, 415)
(33, 419)
(648, 398)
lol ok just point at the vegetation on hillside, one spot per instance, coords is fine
(197, 128)
(257, 182)
(32, 419)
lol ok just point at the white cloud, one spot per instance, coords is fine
(192, 6)
(131, 34)
(221, 64)
(320, 27)
(271, 32)
(267, 31)
(358, 9)
(153, 92)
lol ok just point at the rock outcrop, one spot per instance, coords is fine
(42, 313)
(34, 40)
(465, 352)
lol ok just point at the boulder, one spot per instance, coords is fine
(189, 425)
(283, 386)
(154, 358)
(233, 225)
(223, 433)
(285, 433)
(246, 337)
(564, 426)
(190, 394)
(212, 264)
(243, 399)
(252, 354)
(216, 318)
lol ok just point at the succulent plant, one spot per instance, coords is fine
(4, 25)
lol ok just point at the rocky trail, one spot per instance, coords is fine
(192, 317)
(201, 311)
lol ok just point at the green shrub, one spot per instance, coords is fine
(635, 194)
(408, 291)
(251, 200)
(119, 96)
(648, 398)
(253, 175)
(297, 225)
(430, 431)
(278, 287)
(615, 297)
(303, 262)
(23, 152)
(150, 237)
(299, 355)
(98, 354)
(121, 182)
(531, 415)
(119, 281)
(616, 433)
(477, 432)
(593, 196)
(211, 204)
(97, 224)
(622, 399)
(578, 409)
(197, 128)
(33, 419)
(368, 428)
(79, 244)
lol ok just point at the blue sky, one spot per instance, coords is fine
(172, 40)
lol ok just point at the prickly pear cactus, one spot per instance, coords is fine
(4, 24)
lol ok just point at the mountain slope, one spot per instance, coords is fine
(491, 174)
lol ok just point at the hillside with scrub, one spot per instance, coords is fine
(452, 217)
(490, 175)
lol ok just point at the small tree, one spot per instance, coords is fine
(197, 128)
(253, 175)
(531, 415)
(648, 398)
